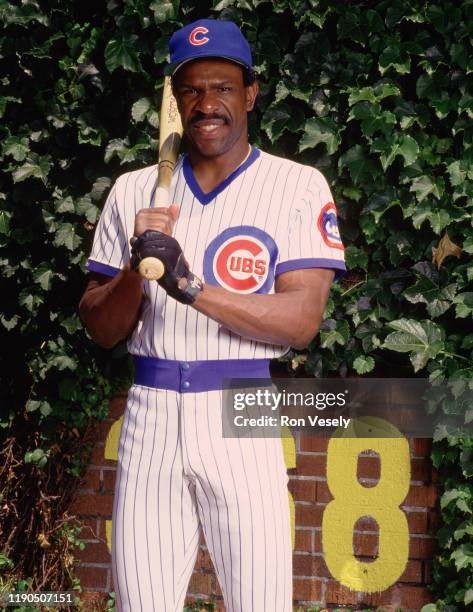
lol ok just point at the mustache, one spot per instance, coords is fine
(201, 117)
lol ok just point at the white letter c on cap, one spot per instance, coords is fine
(197, 40)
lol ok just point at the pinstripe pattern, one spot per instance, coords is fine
(176, 471)
(278, 196)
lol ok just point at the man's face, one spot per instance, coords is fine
(213, 102)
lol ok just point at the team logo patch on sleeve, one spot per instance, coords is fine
(328, 226)
(197, 38)
(241, 259)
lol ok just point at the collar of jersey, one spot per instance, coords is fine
(205, 198)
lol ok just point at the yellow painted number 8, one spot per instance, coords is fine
(352, 501)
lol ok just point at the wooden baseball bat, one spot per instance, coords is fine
(170, 133)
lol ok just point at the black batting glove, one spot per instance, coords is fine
(178, 281)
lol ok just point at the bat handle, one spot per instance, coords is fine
(152, 268)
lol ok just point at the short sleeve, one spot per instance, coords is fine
(313, 238)
(110, 246)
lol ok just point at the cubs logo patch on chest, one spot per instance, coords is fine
(241, 259)
(328, 226)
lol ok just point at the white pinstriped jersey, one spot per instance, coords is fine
(270, 216)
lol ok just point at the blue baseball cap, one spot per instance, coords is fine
(208, 38)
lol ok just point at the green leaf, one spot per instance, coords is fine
(464, 304)
(463, 556)
(392, 57)
(32, 405)
(164, 11)
(437, 298)
(334, 332)
(423, 186)
(355, 257)
(359, 164)
(17, 147)
(66, 236)
(320, 131)
(424, 340)
(5, 217)
(34, 167)
(43, 275)
(281, 117)
(429, 608)
(468, 597)
(139, 109)
(121, 53)
(363, 364)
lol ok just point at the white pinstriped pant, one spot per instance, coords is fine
(176, 472)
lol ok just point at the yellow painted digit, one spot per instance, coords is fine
(111, 452)
(352, 501)
(289, 450)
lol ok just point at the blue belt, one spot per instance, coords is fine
(196, 376)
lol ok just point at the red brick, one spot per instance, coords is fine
(92, 577)
(94, 601)
(365, 545)
(422, 496)
(323, 492)
(97, 458)
(338, 594)
(421, 469)
(435, 521)
(304, 539)
(206, 584)
(421, 447)
(93, 505)
(385, 598)
(94, 553)
(91, 480)
(309, 565)
(309, 515)
(89, 529)
(200, 583)
(311, 465)
(415, 597)
(303, 490)
(390, 597)
(313, 445)
(307, 589)
(368, 467)
(102, 534)
(366, 523)
(412, 573)
(317, 540)
(427, 571)
(417, 522)
(117, 406)
(306, 565)
(421, 548)
(204, 562)
(108, 481)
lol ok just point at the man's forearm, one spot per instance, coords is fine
(110, 310)
(288, 318)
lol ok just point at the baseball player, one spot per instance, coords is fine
(250, 248)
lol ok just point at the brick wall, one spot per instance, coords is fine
(313, 582)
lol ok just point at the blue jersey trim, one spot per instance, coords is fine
(205, 198)
(299, 264)
(96, 266)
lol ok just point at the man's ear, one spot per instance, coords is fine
(251, 94)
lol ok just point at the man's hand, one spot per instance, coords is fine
(178, 281)
(161, 219)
